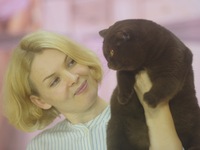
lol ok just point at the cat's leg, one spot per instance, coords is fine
(116, 138)
(168, 75)
(120, 137)
(138, 134)
(195, 138)
(125, 80)
(194, 148)
(161, 90)
(127, 129)
(167, 81)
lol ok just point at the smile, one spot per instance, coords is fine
(82, 88)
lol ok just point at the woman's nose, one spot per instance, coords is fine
(71, 78)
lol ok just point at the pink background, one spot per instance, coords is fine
(81, 20)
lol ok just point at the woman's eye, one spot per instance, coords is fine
(70, 62)
(55, 81)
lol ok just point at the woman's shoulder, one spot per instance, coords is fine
(48, 133)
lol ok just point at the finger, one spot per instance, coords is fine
(143, 82)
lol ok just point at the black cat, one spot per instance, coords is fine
(130, 46)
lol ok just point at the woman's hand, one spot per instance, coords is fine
(162, 132)
(142, 85)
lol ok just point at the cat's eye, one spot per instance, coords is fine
(111, 52)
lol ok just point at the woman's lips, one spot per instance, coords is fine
(81, 88)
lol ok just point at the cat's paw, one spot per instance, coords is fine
(151, 99)
(122, 99)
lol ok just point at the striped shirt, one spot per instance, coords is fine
(65, 136)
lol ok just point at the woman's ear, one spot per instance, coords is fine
(39, 102)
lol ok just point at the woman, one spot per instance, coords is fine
(51, 75)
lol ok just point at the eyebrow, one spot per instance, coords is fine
(51, 75)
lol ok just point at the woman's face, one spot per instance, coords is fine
(62, 83)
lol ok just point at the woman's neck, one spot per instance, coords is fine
(89, 114)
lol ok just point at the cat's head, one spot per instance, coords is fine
(123, 45)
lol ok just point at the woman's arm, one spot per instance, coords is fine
(162, 131)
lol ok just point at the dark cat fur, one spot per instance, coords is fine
(136, 44)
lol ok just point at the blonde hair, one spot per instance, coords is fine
(18, 108)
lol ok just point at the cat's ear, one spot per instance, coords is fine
(102, 33)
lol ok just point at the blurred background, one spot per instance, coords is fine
(82, 20)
